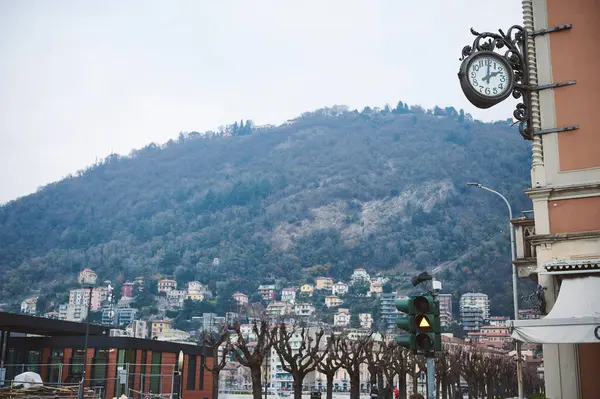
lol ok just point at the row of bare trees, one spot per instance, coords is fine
(302, 350)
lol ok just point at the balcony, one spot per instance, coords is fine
(526, 262)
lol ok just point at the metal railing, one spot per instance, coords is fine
(125, 381)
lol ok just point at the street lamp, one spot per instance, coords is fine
(513, 256)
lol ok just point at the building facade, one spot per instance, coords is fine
(559, 246)
(114, 365)
(445, 309)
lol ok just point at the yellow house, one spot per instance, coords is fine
(324, 283)
(160, 327)
(307, 290)
(194, 296)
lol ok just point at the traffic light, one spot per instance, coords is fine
(422, 324)
(406, 323)
(427, 324)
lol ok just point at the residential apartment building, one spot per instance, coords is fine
(341, 318)
(267, 292)
(332, 301)
(445, 309)
(77, 309)
(240, 298)
(28, 306)
(277, 309)
(339, 289)
(289, 295)
(560, 246)
(166, 285)
(477, 300)
(389, 313)
(304, 309)
(99, 296)
(87, 276)
(128, 290)
(360, 274)
(176, 298)
(323, 283)
(160, 327)
(366, 320)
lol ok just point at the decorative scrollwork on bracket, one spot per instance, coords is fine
(536, 300)
(511, 45)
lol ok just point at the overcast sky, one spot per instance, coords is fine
(82, 79)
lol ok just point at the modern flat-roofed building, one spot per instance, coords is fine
(115, 365)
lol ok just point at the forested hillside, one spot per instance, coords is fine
(331, 191)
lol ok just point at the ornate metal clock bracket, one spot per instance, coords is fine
(515, 40)
(536, 300)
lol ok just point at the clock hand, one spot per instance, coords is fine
(488, 76)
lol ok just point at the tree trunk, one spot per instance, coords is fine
(355, 385)
(402, 385)
(444, 390)
(256, 382)
(330, 385)
(215, 385)
(297, 384)
(415, 383)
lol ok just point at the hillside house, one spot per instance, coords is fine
(307, 290)
(340, 288)
(166, 285)
(87, 276)
(240, 298)
(28, 306)
(267, 292)
(341, 318)
(289, 295)
(360, 274)
(366, 320)
(324, 283)
(176, 298)
(332, 301)
(304, 309)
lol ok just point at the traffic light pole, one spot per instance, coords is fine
(431, 377)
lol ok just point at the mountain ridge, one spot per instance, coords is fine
(377, 189)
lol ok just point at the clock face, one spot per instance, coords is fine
(489, 76)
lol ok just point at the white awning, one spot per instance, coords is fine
(575, 317)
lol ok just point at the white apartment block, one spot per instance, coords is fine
(340, 288)
(289, 295)
(342, 318)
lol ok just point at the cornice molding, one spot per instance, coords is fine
(564, 191)
(552, 238)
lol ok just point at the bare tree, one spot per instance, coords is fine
(298, 360)
(375, 352)
(352, 354)
(388, 367)
(400, 365)
(218, 342)
(330, 363)
(253, 354)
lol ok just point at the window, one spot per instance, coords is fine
(55, 366)
(155, 372)
(99, 368)
(34, 360)
(202, 364)
(76, 363)
(191, 376)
